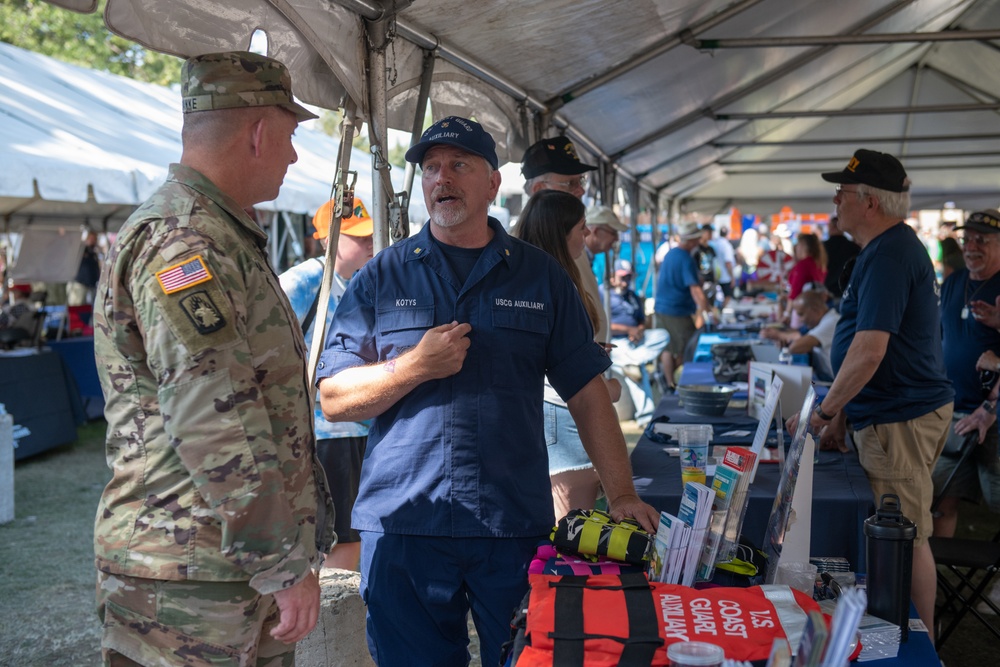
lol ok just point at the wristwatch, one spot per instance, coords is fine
(990, 407)
(822, 415)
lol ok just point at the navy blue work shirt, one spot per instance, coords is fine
(893, 289)
(464, 456)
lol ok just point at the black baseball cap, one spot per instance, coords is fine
(879, 170)
(553, 156)
(456, 131)
(986, 221)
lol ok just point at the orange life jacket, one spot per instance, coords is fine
(608, 620)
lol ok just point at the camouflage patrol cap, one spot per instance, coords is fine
(235, 79)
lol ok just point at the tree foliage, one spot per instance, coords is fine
(82, 39)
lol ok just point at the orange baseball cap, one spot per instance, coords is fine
(358, 223)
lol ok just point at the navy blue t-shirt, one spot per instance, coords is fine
(965, 339)
(673, 285)
(626, 308)
(893, 288)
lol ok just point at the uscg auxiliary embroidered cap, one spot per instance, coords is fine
(986, 221)
(237, 79)
(553, 156)
(603, 215)
(879, 170)
(358, 223)
(455, 131)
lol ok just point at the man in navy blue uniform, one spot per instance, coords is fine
(890, 378)
(444, 339)
(963, 295)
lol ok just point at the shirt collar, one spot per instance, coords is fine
(423, 245)
(197, 181)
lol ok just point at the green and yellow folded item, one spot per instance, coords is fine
(593, 533)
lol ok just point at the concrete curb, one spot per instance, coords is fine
(339, 637)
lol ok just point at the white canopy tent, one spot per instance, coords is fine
(80, 146)
(700, 104)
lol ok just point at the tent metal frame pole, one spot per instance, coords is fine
(853, 140)
(379, 38)
(333, 240)
(868, 111)
(840, 158)
(423, 94)
(843, 40)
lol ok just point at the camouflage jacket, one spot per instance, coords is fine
(203, 367)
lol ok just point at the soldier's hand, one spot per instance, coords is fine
(299, 609)
(441, 352)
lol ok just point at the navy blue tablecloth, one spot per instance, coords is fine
(842, 497)
(40, 393)
(78, 356)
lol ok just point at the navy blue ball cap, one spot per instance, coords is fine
(455, 131)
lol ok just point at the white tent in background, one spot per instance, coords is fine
(79, 146)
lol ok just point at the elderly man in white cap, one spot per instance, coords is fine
(681, 305)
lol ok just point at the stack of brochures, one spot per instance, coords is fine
(680, 540)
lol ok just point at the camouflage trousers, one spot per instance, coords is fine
(158, 623)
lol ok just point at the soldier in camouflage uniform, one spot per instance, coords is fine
(208, 535)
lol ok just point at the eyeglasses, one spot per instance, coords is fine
(579, 182)
(841, 190)
(976, 240)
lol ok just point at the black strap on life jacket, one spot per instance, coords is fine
(638, 648)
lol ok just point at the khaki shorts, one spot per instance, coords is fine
(196, 623)
(680, 327)
(899, 458)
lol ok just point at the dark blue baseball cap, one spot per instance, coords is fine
(455, 131)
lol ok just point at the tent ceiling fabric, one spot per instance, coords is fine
(633, 84)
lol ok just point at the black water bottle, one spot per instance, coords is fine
(889, 547)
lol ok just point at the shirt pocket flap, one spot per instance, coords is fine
(522, 320)
(403, 319)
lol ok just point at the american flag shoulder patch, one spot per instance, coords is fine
(181, 276)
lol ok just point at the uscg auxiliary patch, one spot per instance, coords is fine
(181, 276)
(202, 311)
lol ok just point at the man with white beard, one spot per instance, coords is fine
(444, 340)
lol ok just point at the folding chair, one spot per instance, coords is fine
(972, 564)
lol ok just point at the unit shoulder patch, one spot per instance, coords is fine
(202, 311)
